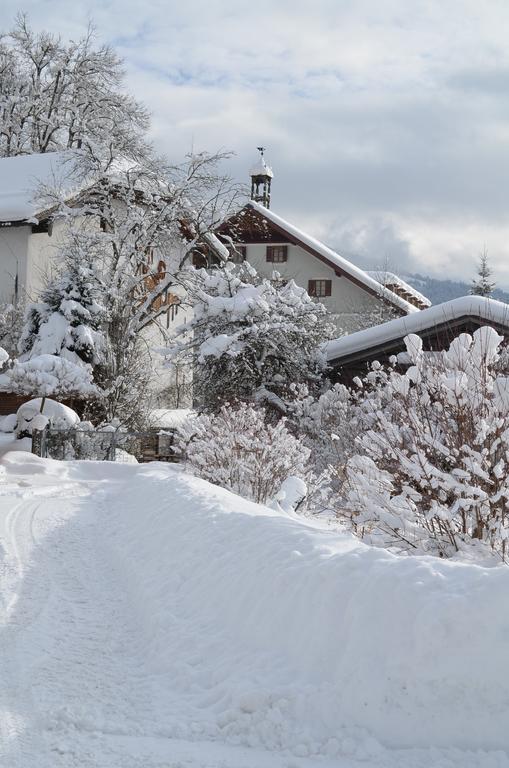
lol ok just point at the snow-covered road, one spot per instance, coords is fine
(78, 686)
(137, 628)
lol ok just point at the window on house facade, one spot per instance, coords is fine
(320, 288)
(105, 225)
(172, 312)
(277, 254)
(238, 253)
(148, 260)
(45, 226)
(199, 260)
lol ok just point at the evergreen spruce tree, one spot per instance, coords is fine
(483, 286)
(67, 320)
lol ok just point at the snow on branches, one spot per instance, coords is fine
(250, 338)
(238, 450)
(48, 375)
(56, 95)
(4, 357)
(431, 471)
(67, 319)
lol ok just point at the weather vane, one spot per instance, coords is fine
(261, 150)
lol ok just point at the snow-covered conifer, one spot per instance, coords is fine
(68, 318)
(483, 285)
(11, 326)
(4, 357)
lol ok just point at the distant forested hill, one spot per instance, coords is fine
(438, 291)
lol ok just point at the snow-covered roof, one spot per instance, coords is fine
(335, 260)
(261, 169)
(390, 279)
(170, 418)
(23, 175)
(480, 307)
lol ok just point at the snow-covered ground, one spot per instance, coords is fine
(149, 619)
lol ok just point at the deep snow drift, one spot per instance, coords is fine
(151, 619)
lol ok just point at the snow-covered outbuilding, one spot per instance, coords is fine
(356, 298)
(351, 355)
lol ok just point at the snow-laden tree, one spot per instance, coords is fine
(134, 216)
(57, 95)
(483, 285)
(67, 320)
(250, 338)
(139, 227)
(62, 338)
(237, 449)
(431, 472)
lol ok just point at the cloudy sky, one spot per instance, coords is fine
(386, 121)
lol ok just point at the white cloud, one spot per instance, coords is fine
(387, 117)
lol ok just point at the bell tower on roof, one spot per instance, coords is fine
(261, 177)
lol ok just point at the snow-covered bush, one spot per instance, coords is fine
(50, 376)
(57, 415)
(431, 473)
(250, 338)
(328, 424)
(237, 449)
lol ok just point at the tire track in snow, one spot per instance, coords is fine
(24, 594)
(81, 655)
(17, 543)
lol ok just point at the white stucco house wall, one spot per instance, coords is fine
(356, 298)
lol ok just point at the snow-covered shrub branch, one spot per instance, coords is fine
(4, 357)
(250, 338)
(328, 424)
(237, 449)
(50, 376)
(431, 473)
(11, 326)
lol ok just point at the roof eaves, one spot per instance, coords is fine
(334, 260)
(479, 307)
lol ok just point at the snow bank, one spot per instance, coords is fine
(178, 611)
(271, 632)
(8, 423)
